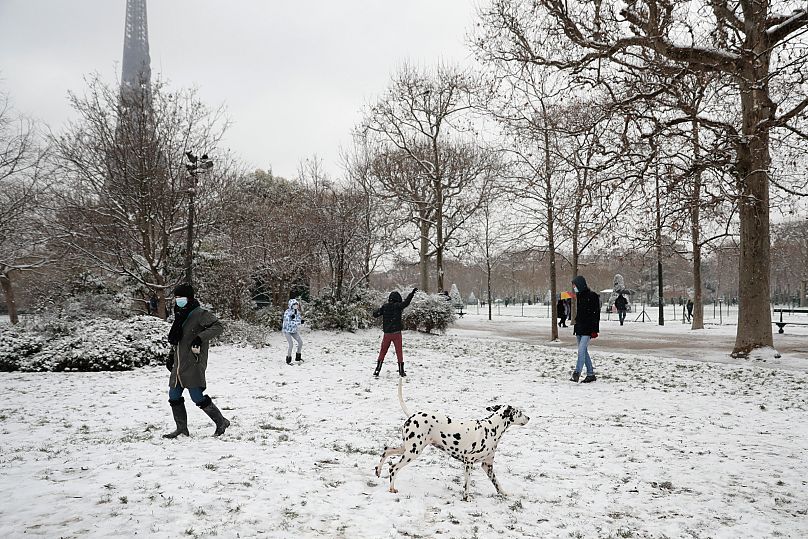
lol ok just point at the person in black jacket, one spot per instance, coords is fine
(587, 325)
(622, 306)
(391, 325)
(561, 310)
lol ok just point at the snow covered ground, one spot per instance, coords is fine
(688, 445)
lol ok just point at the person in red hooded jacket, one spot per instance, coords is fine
(587, 326)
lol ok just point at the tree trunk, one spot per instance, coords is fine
(488, 277)
(8, 293)
(695, 235)
(439, 241)
(658, 240)
(754, 314)
(423, 260)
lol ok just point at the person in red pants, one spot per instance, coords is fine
(391, 324)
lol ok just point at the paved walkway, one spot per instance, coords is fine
(675, 339)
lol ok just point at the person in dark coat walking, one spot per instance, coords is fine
(561, 310)
(190, 336)
(587, 326)
(689, 309)
(622, 305)
(392, 326)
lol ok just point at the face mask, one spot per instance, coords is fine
(181, 302)
(575, 289)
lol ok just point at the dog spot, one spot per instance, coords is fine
(415, 422)
(414, 448)
(412, 435)
(443, 435)
(457, 435)
(448, 420)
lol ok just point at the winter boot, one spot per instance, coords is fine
(589, 378)
(288, 360)
(378, 368)
(298, 357)
(575, 376)
(180, 418)
(209, 408)
(401, 369)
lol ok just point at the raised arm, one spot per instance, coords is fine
(409, 298)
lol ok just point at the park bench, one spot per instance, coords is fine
(794, 310)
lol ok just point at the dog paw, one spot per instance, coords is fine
(393, 490)
(378, 472)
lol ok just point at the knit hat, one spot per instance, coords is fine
(184, 291)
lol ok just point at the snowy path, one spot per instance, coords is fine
(655, 448)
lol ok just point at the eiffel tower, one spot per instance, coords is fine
(136, 69)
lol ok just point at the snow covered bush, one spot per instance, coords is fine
(355, 313)
(16, 344)
(100, 344)
(242, 332)
(270, 317)
(429, 312)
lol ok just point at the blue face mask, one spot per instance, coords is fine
(181, 302)
(575, 289)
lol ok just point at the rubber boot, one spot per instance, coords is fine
(288, 360)
(180, 418)
(575, 376)
(378, 368)
(401, 369)
(298, 357)
(209, 408)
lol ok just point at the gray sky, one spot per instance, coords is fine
(294, 75)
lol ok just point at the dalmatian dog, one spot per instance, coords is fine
(468, 441)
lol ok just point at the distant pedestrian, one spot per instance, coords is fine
(689, 309)
(153, 305)
(292, 318)
(587, 326)
(190, 336)
(621, 303)
(561, 309)
(392, 326)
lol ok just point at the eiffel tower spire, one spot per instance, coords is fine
(136, 71)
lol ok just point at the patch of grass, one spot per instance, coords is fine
(210, 466)
(516, 506)
(269, 426)
(123, 499)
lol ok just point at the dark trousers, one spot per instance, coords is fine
(621, 315)
(394, 338)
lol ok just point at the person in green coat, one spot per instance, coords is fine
(190, 336)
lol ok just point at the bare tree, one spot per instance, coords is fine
(421, 117)
(23, 243)
(124, 203)
(755, 43)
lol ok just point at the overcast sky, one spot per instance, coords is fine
(294, 75)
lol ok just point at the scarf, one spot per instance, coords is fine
(180, 316)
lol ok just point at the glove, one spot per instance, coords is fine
(196, 345)
(594, 335)
(170, 360)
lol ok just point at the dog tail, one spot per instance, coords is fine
(401, 397)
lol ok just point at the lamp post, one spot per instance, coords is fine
(194, 166)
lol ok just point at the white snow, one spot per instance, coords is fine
(691, 443)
